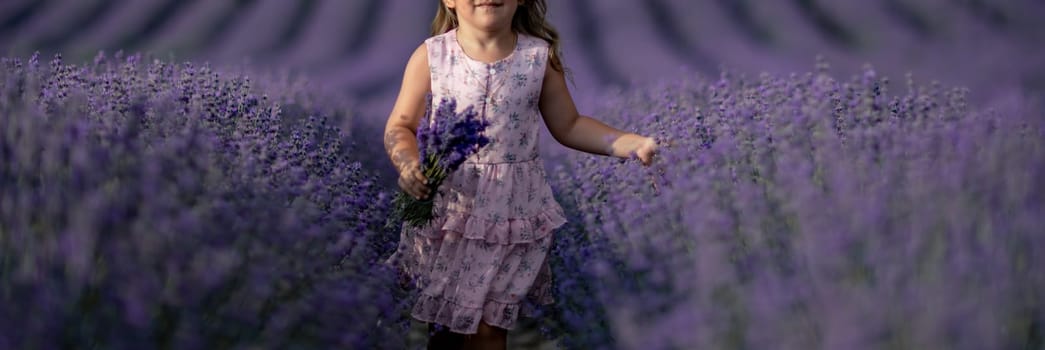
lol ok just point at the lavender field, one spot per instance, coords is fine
(833, 175)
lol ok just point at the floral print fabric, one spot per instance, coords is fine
(485, 254)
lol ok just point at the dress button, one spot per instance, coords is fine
(493, 71)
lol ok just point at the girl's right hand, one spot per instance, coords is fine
(413, 181)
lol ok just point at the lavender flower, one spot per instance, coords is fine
(445, 139)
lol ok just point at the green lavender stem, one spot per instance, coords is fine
(418, 213)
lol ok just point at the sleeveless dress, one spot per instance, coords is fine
(484, 257)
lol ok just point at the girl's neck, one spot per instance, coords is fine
(483, 40)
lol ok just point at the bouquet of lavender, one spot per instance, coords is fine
(445, 139)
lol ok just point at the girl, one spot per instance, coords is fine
(486, 250)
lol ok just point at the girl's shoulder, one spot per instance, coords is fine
(438, 45)
(530, 41)
(440, 38)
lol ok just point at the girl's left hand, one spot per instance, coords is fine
(645, 150)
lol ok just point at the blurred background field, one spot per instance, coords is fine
(875, 188)
(361, 46)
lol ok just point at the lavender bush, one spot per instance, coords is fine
(159, 205)
(806, 212)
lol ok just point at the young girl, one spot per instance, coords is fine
(486, 250)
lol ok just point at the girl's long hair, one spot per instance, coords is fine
(529, 19)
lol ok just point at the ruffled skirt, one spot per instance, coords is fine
(484, 257)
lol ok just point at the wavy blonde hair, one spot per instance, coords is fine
(529, 19)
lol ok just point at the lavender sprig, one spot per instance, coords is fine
(445, 140)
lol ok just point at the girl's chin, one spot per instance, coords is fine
(490, 18)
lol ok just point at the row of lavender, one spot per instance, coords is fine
(146, 204)
(807, 212)
(158, 205)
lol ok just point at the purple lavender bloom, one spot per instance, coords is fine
(445, 140)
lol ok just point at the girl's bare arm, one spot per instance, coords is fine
(401, 128)
(584, 133)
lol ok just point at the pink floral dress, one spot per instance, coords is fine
(487, 248)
